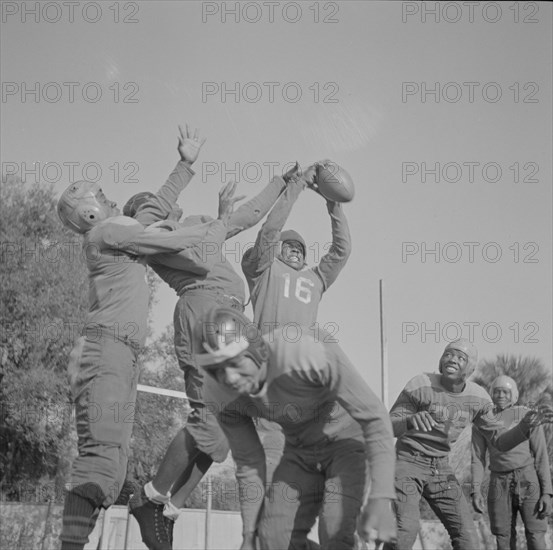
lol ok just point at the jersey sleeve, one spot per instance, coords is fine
(201, 257)
(130, 237)
(355, 396)
(251, 212)
(160, 206)
(479, 447)
(404, 407)
(503, 440)
(538, 445)
(256, 260)
(334, 261)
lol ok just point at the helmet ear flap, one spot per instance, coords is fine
(78, 207)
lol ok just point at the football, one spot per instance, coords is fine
(334, 182)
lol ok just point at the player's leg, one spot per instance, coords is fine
(292, 504)
(501, 510)
(105, 399)
(445, 496)
(192, 475)
(410, 478)
(202, 439)
(345, 468)
(529, 494)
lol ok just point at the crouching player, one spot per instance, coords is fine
(333, 425)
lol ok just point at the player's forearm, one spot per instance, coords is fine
(251, 212)
(401, 412)
(265, 248)
(334, 261)
(251, 488)
(477, 460)
(341, 237)
(381, 458)
(509, 439)
(160, 206)
(279, 213)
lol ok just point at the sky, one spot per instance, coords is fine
(442, 117)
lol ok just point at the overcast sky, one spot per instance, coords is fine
(443, 118)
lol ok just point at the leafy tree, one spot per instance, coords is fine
(43, 304)
(42, 307)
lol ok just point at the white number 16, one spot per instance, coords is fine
(302, 292)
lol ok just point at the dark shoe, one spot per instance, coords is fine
(155, 528)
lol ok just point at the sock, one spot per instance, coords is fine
(79, 515)
(171, 511)
(154, 495)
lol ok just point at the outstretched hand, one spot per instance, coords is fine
(543, 414)
(310, 175)
(227, 201)
(189, 145)
(377, 522)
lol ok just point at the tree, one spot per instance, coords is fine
(43, 304)
(533, 379)
(42, 308)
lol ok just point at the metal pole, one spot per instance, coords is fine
(208, 515)
(383, 349)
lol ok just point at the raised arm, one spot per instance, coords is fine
(127, 235)
(259, 258)
(333, 262)
(506, 440)
(201, 258)
(159, 206)
(251, 212)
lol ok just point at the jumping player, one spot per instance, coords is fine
(520, 479)
(333, 425)
(201, 441)
(427, 418)
(282, 288)
(115, 329)
(284, 292)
